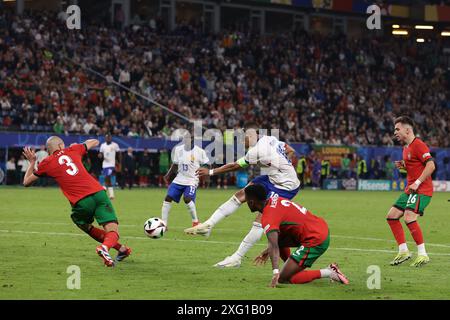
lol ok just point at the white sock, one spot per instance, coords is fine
(192, 210)
(402, 247)
(165, 211)
(111, 192)
(224, 211)
(421, 249)
(250, 239)
(325, 273)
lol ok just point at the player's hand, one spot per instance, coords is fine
(166, 179)
(400, 164)
(412, 188)
(201, 172)
(274, 281)
(29, 154)
(262, 258)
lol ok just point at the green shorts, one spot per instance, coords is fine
(96, 205)
(306, 256)
(415, 202)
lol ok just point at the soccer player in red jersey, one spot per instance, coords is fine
(86, 196)
(419, 165)
(286, 225)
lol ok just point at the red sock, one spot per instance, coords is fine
(99, 235)
(111, 239)
(305, 276)
(285, 252)
(397, 230)
(416, 232)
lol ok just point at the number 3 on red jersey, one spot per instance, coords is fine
(68, 162)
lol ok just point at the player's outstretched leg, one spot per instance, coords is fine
(99, 235)
(393, 219)
(110, 240)
(222, 212)
(249, 241)
(416, 232)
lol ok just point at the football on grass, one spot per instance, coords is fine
(154, 228)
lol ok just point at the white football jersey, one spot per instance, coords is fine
(188, 162)
(270, 154)
(109, 154)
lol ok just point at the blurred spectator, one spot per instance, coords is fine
(325, 167)
(144, 165)
(22, 165)
(41, 155)
(164, 163)
(129, 166)
(361, 170)
(388, 167)
(11, 172)
(345, 166)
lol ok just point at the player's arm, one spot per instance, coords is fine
(427, 171)
(290, 152)
(274, 253)
(172, 171)
(229, 167)
(91, 143)
(29, 177)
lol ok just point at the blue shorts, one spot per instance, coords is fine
(108, 171)
(176, 190)
(271, 189)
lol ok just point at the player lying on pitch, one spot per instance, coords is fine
(85, 194)
(286, 225)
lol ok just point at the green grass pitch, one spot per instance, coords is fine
(38, 242)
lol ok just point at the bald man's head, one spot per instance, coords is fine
(53, 144)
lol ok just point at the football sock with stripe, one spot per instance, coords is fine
(99, 235)
(305, 276)
(165, 211)
(192, 210)
(111, 239)
(416, 233)
(399, 234)
(224, 211)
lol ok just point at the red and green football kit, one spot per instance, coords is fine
(297, 227)
(87, 197)
(415, 156)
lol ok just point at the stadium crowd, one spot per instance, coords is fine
(315, 88)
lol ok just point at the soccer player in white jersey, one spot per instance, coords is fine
(186, 159)
(281, 179)
(108, 150)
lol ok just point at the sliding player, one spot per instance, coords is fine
(286, 225)
(186, 159)
(411, 204)
(281, 179)
(86, 196)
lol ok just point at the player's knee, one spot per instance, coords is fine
(168, 199)
(394, 213)
(410, 217)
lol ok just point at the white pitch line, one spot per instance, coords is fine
(4, 232)
(223, 229)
